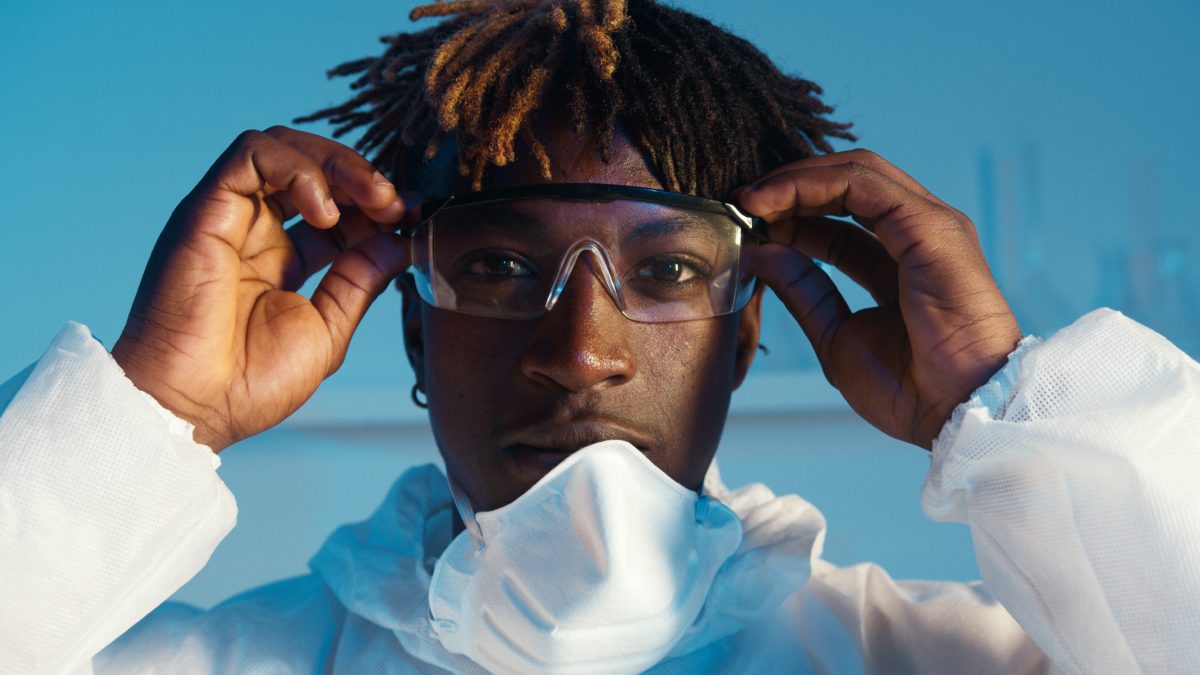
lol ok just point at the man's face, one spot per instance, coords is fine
(510, 398)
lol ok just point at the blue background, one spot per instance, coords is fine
(1067, 131)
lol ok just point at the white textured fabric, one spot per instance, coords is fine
(106, 507)
(1076, 468)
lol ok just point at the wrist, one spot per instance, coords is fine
(145, 373)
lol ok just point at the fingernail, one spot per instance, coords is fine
(331, 208)
(381, 180)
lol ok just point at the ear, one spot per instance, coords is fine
(414, 339)
(749, 324)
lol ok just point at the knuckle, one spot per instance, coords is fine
(332, 167)
(865, 156)
(348, 163)
(277, 131)
(967, 226)
(247, 140)
(953, 219)
(857, 168)
(311, 176)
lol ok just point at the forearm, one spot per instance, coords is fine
(106, 507)
(1076, 469)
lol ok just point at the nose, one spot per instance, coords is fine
(583, 342)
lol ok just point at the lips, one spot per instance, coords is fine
(531, 463)
(532, 452)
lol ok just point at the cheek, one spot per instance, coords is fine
(465, 354)
(468, 368)
(695, 359)
(691, 373)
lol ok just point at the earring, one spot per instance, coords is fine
(417, 399)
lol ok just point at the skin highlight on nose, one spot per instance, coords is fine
(581, 344)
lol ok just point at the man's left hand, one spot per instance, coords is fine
(940, 329)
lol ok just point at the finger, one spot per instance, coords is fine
(318, 247)
(352, 178)
(353, 282)
(846, 246)
(400, 212)
(392, 213)
(409, 203)
(861, 156)
(257, 165)
(809, 295)
(283, 206)
(913, 229)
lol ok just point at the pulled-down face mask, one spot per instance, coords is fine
(602, 566)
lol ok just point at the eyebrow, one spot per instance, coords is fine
(505, 218)
(501, 217)
(667, 226)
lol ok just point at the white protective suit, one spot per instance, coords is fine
(1077, 468)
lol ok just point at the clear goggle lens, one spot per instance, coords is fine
(661, 256)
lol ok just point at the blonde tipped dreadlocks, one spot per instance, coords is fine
(708, 108)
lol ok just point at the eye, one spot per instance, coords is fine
(499, 266)
(671, 270)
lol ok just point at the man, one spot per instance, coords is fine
(580, 307)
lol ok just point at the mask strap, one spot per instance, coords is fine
(712, 478)
(712, 486)
(465, 510)
(711, 490)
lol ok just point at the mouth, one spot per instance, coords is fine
(534, 451)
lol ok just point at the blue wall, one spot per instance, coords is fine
(1066, 130)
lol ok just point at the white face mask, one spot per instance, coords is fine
(600, 567)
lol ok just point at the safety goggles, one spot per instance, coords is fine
(509, 253)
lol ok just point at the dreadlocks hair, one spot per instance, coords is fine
(708, 108)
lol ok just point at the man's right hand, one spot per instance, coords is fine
(217, 333)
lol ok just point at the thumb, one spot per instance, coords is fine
(353, 281)
(808, 294)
